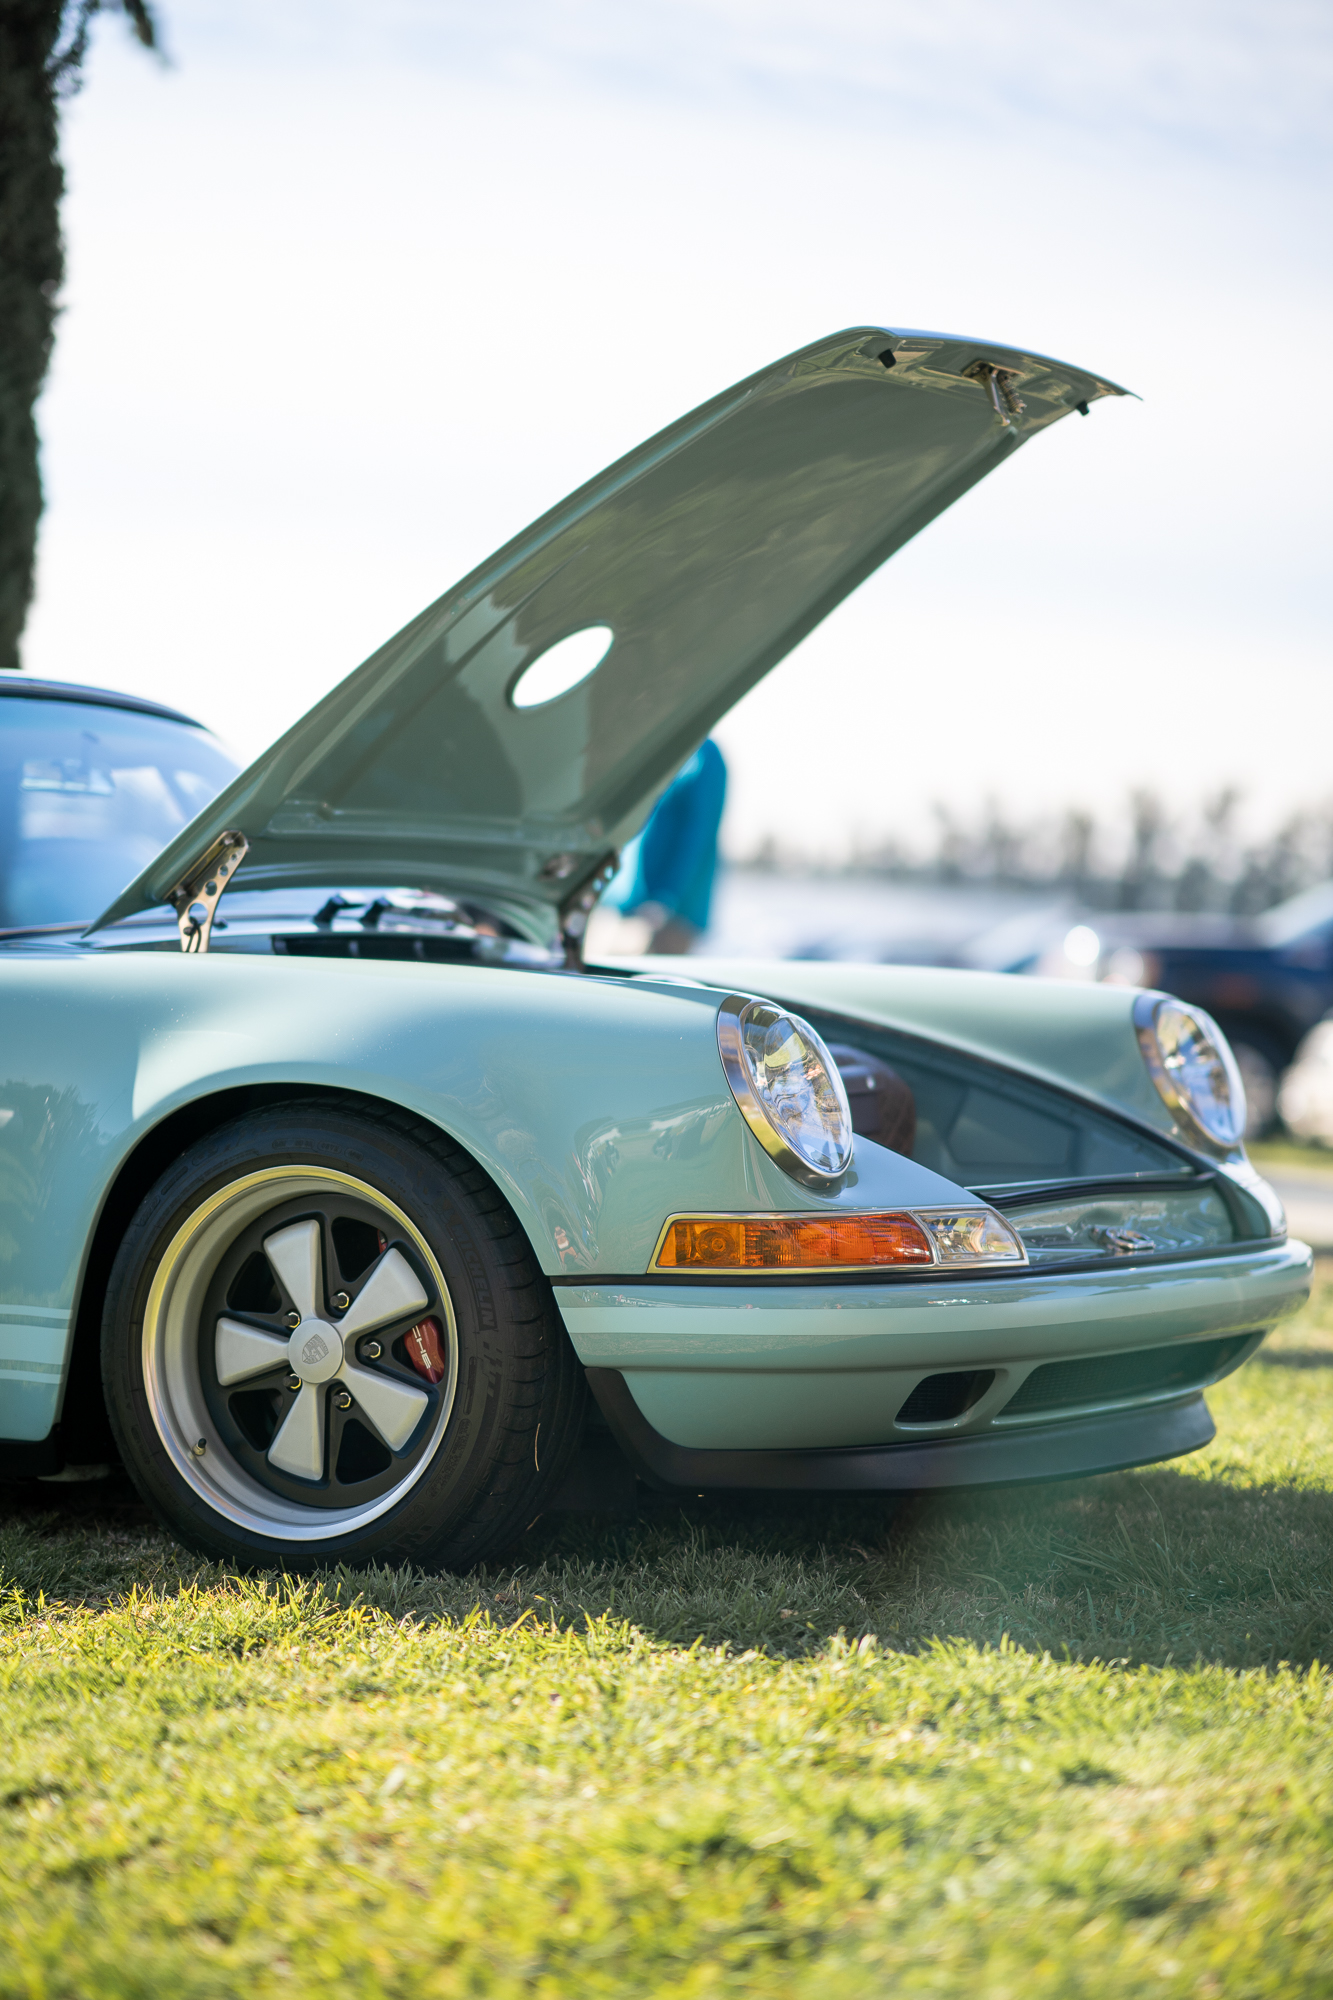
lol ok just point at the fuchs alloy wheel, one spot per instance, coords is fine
(326, 1340)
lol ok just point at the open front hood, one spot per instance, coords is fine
(708, 553)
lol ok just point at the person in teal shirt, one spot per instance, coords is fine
(668, 869)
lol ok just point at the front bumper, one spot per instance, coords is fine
(1104, 1443)
(753, 1368)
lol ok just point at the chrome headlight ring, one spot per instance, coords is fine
(1190, 1062)
(788, 1088)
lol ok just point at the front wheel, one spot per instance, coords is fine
(326, 1340)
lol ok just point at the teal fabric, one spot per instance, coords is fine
(676, 854)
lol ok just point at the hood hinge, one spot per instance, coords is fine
(576, 909)
(196, 896)
(1001, 385)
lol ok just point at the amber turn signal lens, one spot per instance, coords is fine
(790, 1242)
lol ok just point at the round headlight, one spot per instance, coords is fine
(1192, 1065)
(788, 1088)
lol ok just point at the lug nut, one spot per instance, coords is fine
(341, 1300)
(343, 1400)
(293, 1321)
(293, 1381)
(371, 1351)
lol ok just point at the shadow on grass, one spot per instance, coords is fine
(1294, 1357)
(1155, 1567)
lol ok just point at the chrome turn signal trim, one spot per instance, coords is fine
(762, 1242)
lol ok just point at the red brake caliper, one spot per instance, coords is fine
(425, 1350)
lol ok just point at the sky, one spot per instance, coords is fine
(357, 288)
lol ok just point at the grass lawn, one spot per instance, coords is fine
(1071, 1740)
(1282, 1151)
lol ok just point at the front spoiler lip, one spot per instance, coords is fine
(1069, 1449)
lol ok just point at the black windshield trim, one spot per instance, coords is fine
(95, 697)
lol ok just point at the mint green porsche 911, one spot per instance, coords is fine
(364, 1220)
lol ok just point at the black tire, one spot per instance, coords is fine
(196, 1293)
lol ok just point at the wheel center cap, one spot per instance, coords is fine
(315, 1351)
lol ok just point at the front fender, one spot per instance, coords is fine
(597, 1106)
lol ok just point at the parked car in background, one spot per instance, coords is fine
(364, 1219)
(1265, 980)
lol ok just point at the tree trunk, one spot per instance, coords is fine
(31, 268)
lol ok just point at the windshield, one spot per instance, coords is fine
(88, 795)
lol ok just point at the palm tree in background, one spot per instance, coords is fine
(42, 47)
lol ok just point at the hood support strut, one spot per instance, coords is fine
(196, 896)
(577, 908)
